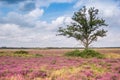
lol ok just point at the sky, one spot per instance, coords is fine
(34, 23)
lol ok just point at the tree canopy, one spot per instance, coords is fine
(86, 28)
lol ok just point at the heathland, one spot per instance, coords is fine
(51, 64)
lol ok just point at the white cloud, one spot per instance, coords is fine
(9, 29)
(59, 22)
(36, 13)
(110, 11)
(108, 8)
(27, 30)
(43, 34)
(80, 3)
(112, 40)
(46, 3)
(24, 20)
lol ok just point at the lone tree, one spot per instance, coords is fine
(86, 28)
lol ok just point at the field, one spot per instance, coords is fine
(50, 64)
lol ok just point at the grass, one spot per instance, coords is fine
(81, 71)
(112, 56)
(20, 53)
(38, 55)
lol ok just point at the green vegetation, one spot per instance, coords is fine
(85, 54)
(90, 54)
(86, 28)
(75, 53)
(78, 71)
(38, 55)
(21, 52)
(1, 52)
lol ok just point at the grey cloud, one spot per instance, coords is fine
(38, 36)
(12, 1)
(28, 7)
(18, 19)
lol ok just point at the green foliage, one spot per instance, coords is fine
(75, 53)
(21, 52)
(38, 55)
(90, 54)
(1, 52)
(85, 28)
(84, 54)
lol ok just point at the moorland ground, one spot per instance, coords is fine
(51, 64)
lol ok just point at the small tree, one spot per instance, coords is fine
(86, 28)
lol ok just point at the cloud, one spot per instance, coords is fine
(37, 1)
(43, 34)
(60, 22)
(9, 29)
(110, 11)
(112, 40)
(36, 13)
(46, 3)
(19, 19)
(80, 3)
(24, 20)
(27, 6)
(25, 28)
(12, 1)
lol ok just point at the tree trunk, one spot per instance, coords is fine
(86, 45)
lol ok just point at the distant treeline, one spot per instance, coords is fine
(54, 47)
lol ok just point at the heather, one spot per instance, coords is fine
(52, 65)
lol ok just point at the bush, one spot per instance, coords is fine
(38, 55)
(1, 52)
(84, 54)
(90, 54)
(21, 52)
(75, 53)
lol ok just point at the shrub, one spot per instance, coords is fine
(1, 52)
(84, 54)
(21, 52)
(38, 55)
(91, 53)
(75, 53)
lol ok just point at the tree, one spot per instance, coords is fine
(86, 28)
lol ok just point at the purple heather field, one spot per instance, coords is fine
(50, 64)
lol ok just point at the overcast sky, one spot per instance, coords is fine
(34, 23)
